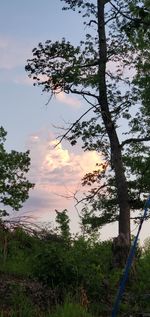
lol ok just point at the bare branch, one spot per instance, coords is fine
(128, 17)
(90, 197)
(72, 195)
(90, 103)
(49, 99)
(72, 126)
(112, 18)
(83, 93)
(92, 21)
(25, 222)
(121, 13)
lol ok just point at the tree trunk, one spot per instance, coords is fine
(121, 184)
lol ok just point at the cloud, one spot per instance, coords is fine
(13, 53)
(64, 98)
(61, 96)
(23, 80)
(57, 173)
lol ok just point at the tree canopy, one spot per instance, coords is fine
(110, 70)
(14, 187)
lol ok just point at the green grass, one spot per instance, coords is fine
(24, 309)
(70, 310)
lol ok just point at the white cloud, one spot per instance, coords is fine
(60, 97)
(71, 101)
(57, 173)
(23, 80)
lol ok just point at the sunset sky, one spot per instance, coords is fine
(57, 172)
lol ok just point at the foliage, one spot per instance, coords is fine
(16, 250)
(82, 268)
(62, 219)
(39, 272)
(14, 186)
(21, 304)
(110, 70)
(70, 309)
(78, 268)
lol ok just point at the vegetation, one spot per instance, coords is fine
(14, 186)
(52, 273)
(42, 275)
(99, 70)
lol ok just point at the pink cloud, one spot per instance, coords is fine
(68, 100)
(57, 173)
(61, 96)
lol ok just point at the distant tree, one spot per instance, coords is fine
(14, 187)
(62, 220)
(102, 71)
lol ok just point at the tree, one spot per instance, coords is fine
(62, 219)
(14, 187)
(100, 70)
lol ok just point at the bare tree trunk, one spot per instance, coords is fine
(121, 184)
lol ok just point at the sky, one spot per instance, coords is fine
(30, 124)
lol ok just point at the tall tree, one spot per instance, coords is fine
(14, 187)
(102, 69)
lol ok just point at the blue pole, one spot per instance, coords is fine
(129, 262)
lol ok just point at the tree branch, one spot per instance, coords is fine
(135, 140)
(121, 13)
(90, 103)
(92, 21)
(94, 63)
(83, 93)
(111, 18)
(72, 126)
(91, 196)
